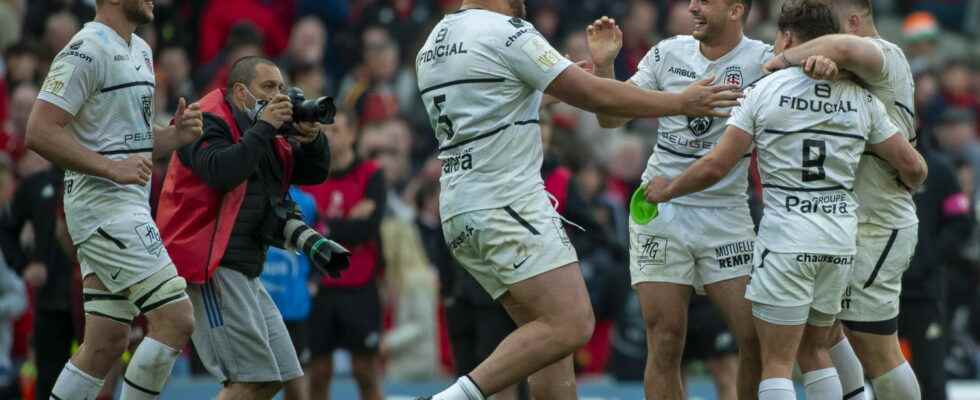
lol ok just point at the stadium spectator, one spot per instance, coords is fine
(47, 266)
(957, 85)
(307, 44)
(956, 136)
(271, 18)
(944, 216)
(412, 287)
(639, 33)
(58, 30)
(346, 312)
(244, 40)
(379, 86)
(173, 79)
(22, 61)
(13, 301)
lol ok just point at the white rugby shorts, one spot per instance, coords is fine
(883, 256)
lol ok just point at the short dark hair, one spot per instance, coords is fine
(748, 8)
(860, 4)
(243, 70)
(807, 19)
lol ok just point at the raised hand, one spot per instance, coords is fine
(278, 111)
(605, 40)
(821, 68)
(701, 99)
(189, 121)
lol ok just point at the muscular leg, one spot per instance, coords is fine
(882, 358)
(819, 375)
(365, 370)
(729, 297)
(296, 389)
(560, 321)
(778, 345)
(849, 368)
(249, 391)
(321, 372)
(664, 308)
(551, 382)
(724, 371)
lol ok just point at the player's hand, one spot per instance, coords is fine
(605, 40)
(279, 111)
(35, 274)
(586, 65)
(776, 63)
(702, 100)
(189, 121)
(133, 170)
(308, 131)
(821, 68)
(656, 190)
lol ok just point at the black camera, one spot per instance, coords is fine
(284, 228)
(320, 110)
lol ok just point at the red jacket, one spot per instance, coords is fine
(195, 220)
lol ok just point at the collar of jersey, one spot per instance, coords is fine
(730, 53)
(112, 32)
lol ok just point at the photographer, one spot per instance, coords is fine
(224, 203)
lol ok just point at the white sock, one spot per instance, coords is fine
(897, 384)
(849, 370)
(148, 370)
(822, 384)
(463, 389)
(777, 389)
(74, 384)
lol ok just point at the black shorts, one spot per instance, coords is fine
(346, 318)
(475, 331)
(299, 334)
(707, 335)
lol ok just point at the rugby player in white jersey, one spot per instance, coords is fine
(810, 136)
(705, 238)
(887, 222)
(94, 118)
(482, 73)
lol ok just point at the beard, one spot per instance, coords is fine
(518, 8)
(133, 9)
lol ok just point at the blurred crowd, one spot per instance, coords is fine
(361, 52)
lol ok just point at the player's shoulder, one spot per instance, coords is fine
(679, 43)
(756, 47)
(488, 22)
(776, 79)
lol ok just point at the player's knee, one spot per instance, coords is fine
(365, 376)
(667, 348)
(108, 346)
(578, 330)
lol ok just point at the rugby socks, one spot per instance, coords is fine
(849, 370)
(148, 370)
(898, 384)
(463, 389)
(74, 384)
(822, 384)
(777, 389)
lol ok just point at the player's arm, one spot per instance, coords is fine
(605, 41)
(900, 154)
(853, 53)
(187, 127)
(707, 171)
(48, 135)
(618, 99)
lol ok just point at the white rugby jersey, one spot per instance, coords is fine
(884, 201)
(481, 76)
(810, 136)
(672, 65)
(107, 85)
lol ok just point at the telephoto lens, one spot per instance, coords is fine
(326, 255)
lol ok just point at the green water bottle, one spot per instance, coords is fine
(641, 210)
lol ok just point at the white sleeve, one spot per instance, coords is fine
(743, 116)
(881, 127)
(531, 58)
(74, 76)
(646, 72)
(890, 65)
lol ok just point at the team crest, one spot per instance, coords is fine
(733, 76)
(150, 238)
(699, 126)
(149, 62)
(147, 106)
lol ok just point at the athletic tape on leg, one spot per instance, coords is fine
(114, 306)
(162, 288)
(148, 370)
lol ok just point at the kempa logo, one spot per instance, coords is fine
(147, 105)
(699, 126)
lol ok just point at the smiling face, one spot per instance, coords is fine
(138, 11)
(711, 17)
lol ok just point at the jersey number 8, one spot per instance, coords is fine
(814, 156)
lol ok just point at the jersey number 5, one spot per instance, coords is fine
(443, 119)
(814, 155)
